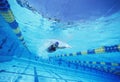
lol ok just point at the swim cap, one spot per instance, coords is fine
(56, 44)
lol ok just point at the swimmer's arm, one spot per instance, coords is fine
(61, 47)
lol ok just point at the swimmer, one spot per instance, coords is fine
(54, 47)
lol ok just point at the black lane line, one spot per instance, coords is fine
(35, 75)
(20, 77)
(3, 42)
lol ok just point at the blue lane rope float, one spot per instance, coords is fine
(7, 14)
(104, 49)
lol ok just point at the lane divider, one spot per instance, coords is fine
(110, 67)
(104, 49)
(7, 14)
(97, 63)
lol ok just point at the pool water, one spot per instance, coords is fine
(93, 56)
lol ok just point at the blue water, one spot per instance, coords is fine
(34, 64)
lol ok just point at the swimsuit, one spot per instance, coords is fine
(51, 48)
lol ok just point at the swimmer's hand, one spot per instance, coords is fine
(68, 46)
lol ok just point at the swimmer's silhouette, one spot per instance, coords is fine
(54, 47)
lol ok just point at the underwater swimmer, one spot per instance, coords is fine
(54, 47)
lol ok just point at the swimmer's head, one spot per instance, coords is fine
(56, 44)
